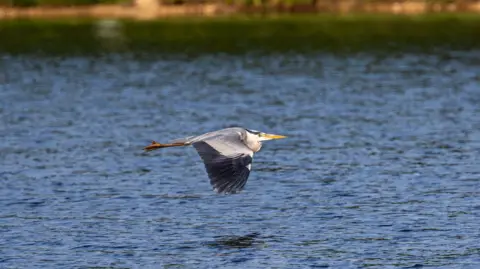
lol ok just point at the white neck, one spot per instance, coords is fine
(253, 142)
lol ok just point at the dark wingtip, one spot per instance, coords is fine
(226, 192)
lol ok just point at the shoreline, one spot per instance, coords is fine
(146, 10)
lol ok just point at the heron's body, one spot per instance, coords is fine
(227, 154)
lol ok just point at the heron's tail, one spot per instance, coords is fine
(156, 145)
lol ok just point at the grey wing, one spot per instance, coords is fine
(227, 161)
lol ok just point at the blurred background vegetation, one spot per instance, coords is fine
(244, 34)
(64, 3)
(58, 3)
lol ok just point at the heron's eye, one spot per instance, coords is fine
(261, 134)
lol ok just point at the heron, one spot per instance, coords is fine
(227, 154)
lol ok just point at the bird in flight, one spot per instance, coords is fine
(227, 154)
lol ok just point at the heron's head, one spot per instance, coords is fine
(264, 136)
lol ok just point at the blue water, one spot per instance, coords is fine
(380, 169)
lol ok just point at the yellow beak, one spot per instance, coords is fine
(274, 136)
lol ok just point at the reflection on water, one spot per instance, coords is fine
(110, 34)
(232, 241)
(380, 168)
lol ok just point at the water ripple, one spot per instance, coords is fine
(379, 171)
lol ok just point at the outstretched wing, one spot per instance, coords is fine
(227, 161)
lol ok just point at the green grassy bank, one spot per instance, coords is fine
(245, 34)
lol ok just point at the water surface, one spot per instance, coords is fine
(380, 169)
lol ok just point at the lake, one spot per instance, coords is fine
(379, 170)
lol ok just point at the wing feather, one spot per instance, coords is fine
(229, 172)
